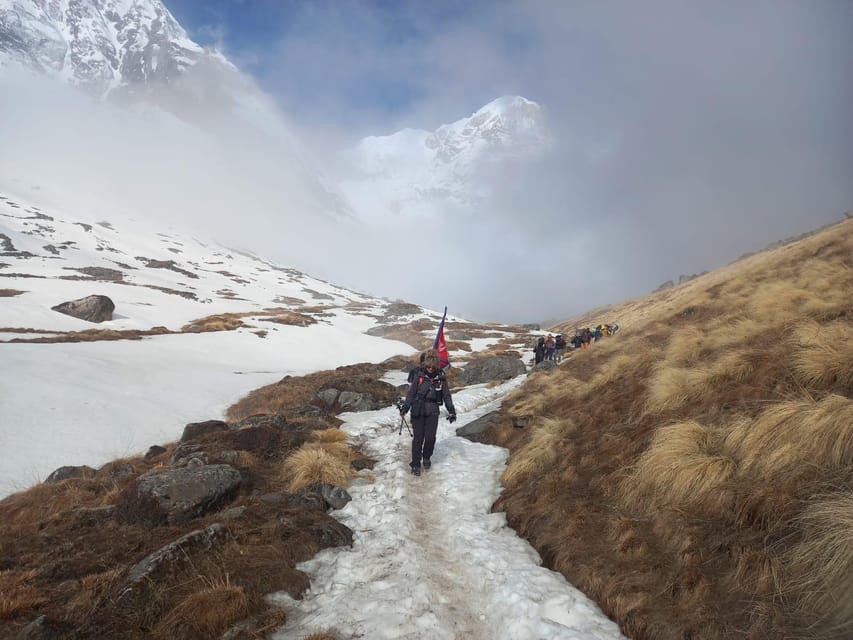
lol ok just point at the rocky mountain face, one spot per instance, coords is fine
(134, 53)
(414, 170)
(101, 45)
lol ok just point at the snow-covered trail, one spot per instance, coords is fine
(429, 559)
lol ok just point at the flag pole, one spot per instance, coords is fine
(440, 344)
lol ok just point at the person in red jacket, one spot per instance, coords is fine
(427, 392)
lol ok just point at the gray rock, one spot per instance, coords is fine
(66, 473)
(38, 629)
(275, 421)
(195, 429)
(335, 497)
(151, 567)
(306, 411)
(354, 401)
(490, 369)
(311, 500)
(176, 495)
(95, 308)
(474, 431)
(185, 451)
(328, 396)
(154, 451)
(119, 471)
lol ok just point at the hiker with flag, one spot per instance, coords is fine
(427, 391)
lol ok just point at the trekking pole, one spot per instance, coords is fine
(403, 422)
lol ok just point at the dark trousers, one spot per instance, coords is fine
(423, 442)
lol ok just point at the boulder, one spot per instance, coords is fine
(489, 369)
(175, 496)
(152, 567)
(94, 308)
(473, 431)
(195, 429)
(275, 421)
(66, 473)
(154, 451)
(335, 497)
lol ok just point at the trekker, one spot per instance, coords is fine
(550, 345)
(539, 350)
(559, 347)
(428, 390)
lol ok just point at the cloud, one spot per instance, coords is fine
(686, 134)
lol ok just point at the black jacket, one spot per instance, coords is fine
(428, 391)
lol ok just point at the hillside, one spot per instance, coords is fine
(693, 474)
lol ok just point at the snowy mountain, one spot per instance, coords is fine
(415, 171)
(133, 53)
(99, 44)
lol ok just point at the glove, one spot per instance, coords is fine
(452, 418)
(404, 410)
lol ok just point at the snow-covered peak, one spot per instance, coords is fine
(414, 172)
(97, 44)
(504, 123)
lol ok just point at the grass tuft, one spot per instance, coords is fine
(312, 464)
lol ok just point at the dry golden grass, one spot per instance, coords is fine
(218, 322)
(10, 293)
(713, 478)
(543, 390)
(317, 463)
(823, 354)
(794, 437)
(94, 588)
(17, 595)
(678, 470)
(329, 435)
(673, 387)
(541, 450)
(206, 613)
(820, 567)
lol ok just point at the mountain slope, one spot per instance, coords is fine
(195, 326)
(416, 171)
(692, 474)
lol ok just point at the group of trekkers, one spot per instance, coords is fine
(428, 389)
(554, 347)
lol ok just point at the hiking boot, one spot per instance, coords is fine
(416, 471)
(427, 464)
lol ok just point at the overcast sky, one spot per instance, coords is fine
(688, 132)
(685, 135)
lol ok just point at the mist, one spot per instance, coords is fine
(684, 135)
(681, 138)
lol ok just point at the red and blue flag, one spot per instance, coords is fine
(440, 343)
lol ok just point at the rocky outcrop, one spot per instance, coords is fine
(490, 369)
(95, 308)
(68, 472)
(173, 496)
(356, 393)
(147, 570)
(474, 431)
